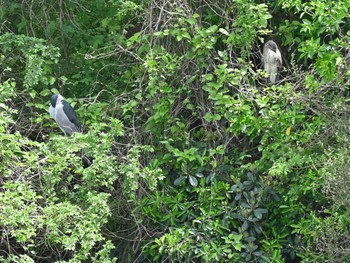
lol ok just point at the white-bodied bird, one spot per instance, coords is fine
(63, 113)
(272, 60)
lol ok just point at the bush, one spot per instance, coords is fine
(187, 154)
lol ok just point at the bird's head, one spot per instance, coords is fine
(55, 99)
(271, 45)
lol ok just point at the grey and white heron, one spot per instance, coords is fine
(63, 113)
(272, 60)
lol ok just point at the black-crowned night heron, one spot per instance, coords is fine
(272, 59)
(63, 113)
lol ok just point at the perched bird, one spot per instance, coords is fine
(272, 59)
(63, 113)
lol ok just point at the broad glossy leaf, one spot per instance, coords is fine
(245, 205)
(245, 225)
(179, 180)
(210, 178)
(193, 180)
(199, 175)
(259, 212)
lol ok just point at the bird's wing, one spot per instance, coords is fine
(71, 114)
(278, 56)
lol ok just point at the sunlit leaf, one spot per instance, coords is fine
(288, 130)
(193, 180)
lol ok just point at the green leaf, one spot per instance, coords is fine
(186, 35)
(193, 180)
(245, 225)
(259, 212)
(32, 94)
(224, 31)
(134, 38)
(245, 205)
(55, 91)
(52, 80)
(45, 92)
(210, 178)
(238, 246)
(179, 180)
(199, 175)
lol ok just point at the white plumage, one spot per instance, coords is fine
(63, 113)
(272, 60)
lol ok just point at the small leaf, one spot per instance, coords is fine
(193, 180)
(212, 29)
(257, 228)
(32, 93)
(250, 239)
(186, 35)
(135, 37)
(246, 195)
(238, 246)
(262, 210)
(250, 176)
(234, 188)
(238, 196)
(237, 237)
(288, 130)
(259, 212)
(52, 80)
(245, 225)
(199, 175)
(210, 178)
(245, 205)
(179, 180)
(55, 91)
(247, 183)
(45, 92)
(224, 31)
(191, 21)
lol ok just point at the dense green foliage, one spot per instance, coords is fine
(187, 154)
